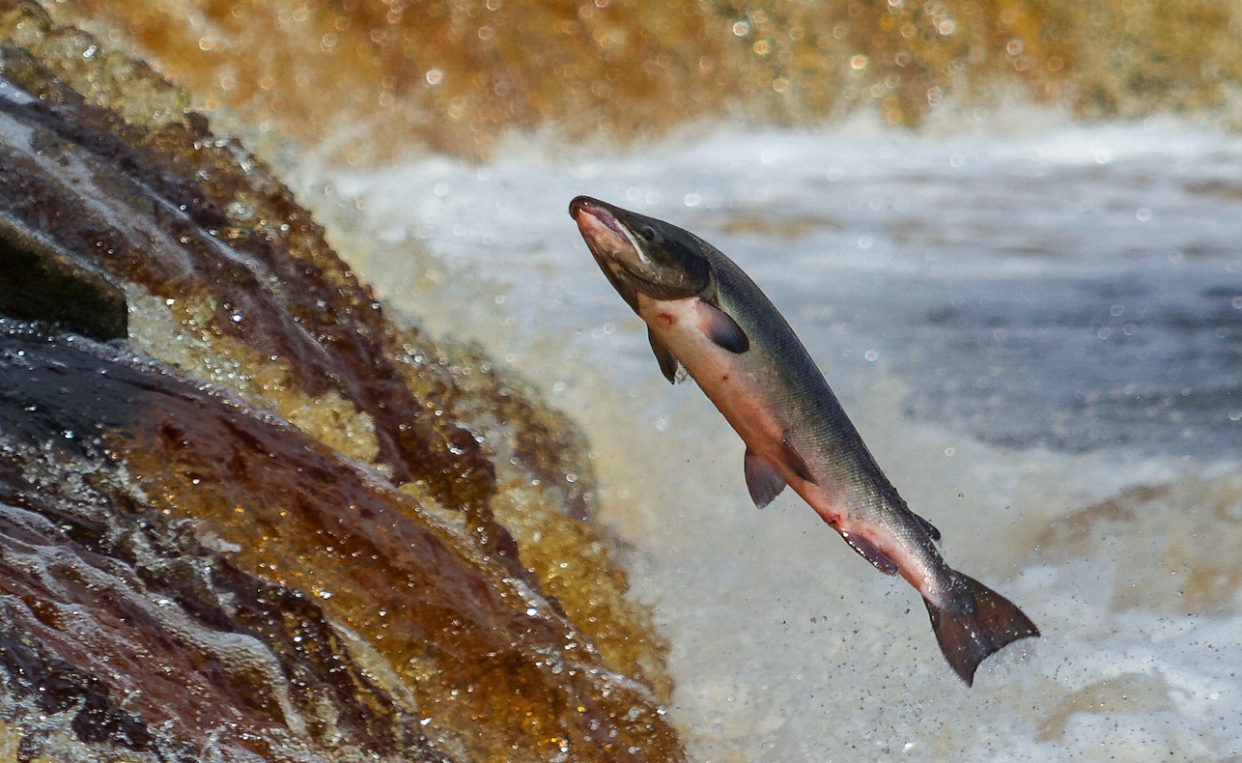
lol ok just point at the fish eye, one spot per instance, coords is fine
(647, 232)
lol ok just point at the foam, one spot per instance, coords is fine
(786, 645)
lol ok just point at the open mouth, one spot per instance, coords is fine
(588, 207)
(602, 231)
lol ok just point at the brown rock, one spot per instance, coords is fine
(269, 521)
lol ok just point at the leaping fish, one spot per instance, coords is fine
(704, 315)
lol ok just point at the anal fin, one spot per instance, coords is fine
(722, 329)
(794, 461)
(669, 364)
(867, 550)
(762, 479)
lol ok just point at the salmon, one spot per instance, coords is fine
(706, 319)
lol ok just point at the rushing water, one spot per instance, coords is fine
(1022, 321)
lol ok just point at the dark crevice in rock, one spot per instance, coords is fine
(43, 284)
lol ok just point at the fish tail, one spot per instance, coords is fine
(986, 627)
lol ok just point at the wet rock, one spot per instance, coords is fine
(43, 284)
(268, 522)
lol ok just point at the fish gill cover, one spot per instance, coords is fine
(367, 75)
(264, 522)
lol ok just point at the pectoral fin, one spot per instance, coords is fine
(722, 329)
(869, 552)
(668, 363)
(762, 479)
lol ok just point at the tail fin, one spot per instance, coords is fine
(988, 627)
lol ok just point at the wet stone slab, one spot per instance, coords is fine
(244, 514)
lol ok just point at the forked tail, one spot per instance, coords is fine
(988, 627)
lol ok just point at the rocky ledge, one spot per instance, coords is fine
(245, 516)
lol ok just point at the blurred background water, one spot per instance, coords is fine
(1007, 231)
(1023, 324)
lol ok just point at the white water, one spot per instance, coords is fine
(1021, 325)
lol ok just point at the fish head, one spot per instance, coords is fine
(641, 254)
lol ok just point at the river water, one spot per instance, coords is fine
(1023, 319)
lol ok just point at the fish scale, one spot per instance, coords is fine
(704, 314)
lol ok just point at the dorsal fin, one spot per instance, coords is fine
(722, 329)
(928, 527)
(669, 366)
(762, 479)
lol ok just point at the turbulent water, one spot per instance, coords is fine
(1036, 323)
(1037, 327)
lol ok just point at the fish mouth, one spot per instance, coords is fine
(604, 233)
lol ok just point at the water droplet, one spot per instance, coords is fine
(741, 28)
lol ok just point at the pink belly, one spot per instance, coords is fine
(718, 372)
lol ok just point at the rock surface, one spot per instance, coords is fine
(261, 521)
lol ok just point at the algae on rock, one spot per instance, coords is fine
(270, 521)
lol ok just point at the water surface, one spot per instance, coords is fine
(1022, 323)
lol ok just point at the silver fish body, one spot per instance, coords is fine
(704, 314)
